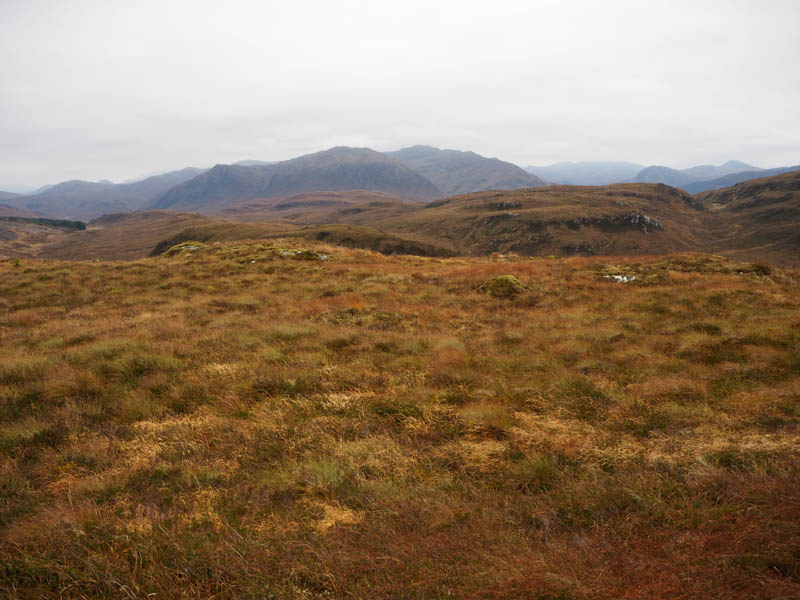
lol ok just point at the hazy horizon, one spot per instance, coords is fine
(115, 90)
(141, 176)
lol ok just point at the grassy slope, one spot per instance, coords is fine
(123, 236)
(752, 221)
(559, 221)
(136, 235)
(758, 218)
(13, 211)
(371, 427)
(20, 239)
(355, 207)
(340, 235)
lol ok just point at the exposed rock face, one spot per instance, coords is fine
(504, 205)
(643, 222)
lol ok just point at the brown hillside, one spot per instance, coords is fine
(13, 211)
(24, 239)
(122, 236)
(608, 220)
(128, 236)
(349, 236)
(757, 219)
(751, 221)
(357, 207)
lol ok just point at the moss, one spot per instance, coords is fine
(252, 253)
(503, 286)
(302, 254)
(184, 248)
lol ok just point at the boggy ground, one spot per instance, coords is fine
(235, 422)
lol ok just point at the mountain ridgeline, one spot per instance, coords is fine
(419, 173)
(336, 169)
(409, 201)
(752, 221)
(456, 172)
(695, 179)
(88, 199)
(587, 172)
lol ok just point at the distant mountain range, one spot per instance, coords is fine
(8, 195)
(88, 199)
(734, 178)
(753, 220)
(418, 173)
(698, 176)
(693, 179)
(587, 173)
(456, 172)
(339, 168)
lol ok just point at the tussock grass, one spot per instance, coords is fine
(366, 426)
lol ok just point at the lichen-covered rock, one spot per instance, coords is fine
(302, 254)
(184, 248)
(265, 252)
(632, 273)
(502, 286)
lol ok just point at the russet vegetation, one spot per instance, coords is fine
(242, 420)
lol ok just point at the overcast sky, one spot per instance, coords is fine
(116, 88)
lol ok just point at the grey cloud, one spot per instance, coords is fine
(113, 89)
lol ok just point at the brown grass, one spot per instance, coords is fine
(373, 427)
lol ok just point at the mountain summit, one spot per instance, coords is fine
(339, 168)
(458, 172)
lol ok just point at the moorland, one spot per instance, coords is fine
(295, 420)
(269, 383)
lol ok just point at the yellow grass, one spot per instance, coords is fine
(373, 427)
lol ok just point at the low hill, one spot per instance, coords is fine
(351, 206)
(587, 172)
(337, 169)
(128, 236)
(759, 218)
(708, 172)
(755, 220)
(348, 236)
(8, 195)
(87, 199)
(617, 219)
(707, 177)
(665, 175)
(28, 237)
(457, 172)
(121, 236)
(13, 211)
(734, 178)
